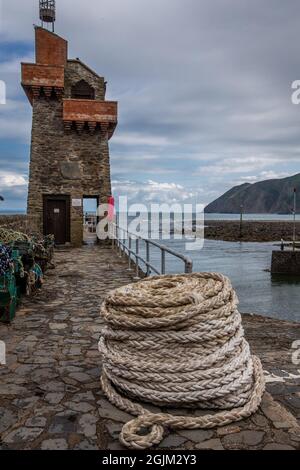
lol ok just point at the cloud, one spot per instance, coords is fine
(153, 192)
(134, 139)
(15, 114)
(263, 175)
(13, 187)
(204, 88)
(233, 165)
(15, 125)
(9, 180)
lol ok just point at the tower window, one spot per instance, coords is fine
(83, 91)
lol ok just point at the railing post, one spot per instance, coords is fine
(163, 261)
(113, 235)
(188, 266)
(137, 249)
(122, 245)
(148, 257)
(129, 253)
(119, 242)
(124, 240)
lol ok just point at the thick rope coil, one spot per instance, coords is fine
(177, 341)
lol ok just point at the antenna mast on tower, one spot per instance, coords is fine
(47, 12)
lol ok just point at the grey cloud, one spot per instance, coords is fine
(202, 85)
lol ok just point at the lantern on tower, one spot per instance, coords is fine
(47, 12)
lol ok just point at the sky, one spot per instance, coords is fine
(204, 92)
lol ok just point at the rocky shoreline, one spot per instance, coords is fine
(252, 231)
(227, 230)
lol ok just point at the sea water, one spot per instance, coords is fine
(248, 266)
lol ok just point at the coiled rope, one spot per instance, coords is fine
(177, 341)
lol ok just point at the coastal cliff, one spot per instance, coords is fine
(265, 197)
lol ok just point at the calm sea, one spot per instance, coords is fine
(274, 217)
(12, 212)
(247, 265)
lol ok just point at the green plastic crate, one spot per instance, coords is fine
(8, 297)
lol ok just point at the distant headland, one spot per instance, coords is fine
(274, 196)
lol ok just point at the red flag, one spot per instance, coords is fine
(111, 209)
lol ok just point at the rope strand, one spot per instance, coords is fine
(177, 341)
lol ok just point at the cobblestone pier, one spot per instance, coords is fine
(50, 397)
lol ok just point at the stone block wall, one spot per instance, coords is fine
(286, 262)
(65, 163)
(75, 71)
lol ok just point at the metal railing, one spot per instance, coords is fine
(129, 244)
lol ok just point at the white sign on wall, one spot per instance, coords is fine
(76, 202)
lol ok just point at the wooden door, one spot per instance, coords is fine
(56, 222)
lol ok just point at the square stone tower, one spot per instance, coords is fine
(71, 126)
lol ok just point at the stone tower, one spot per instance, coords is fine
(71, 126)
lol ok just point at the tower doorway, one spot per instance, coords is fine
(90, 205)
(57, 218)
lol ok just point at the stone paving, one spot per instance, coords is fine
(50, 396)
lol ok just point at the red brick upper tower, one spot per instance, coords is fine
(72, 123)
(48, 76)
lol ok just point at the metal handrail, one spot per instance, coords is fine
(119, 237)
